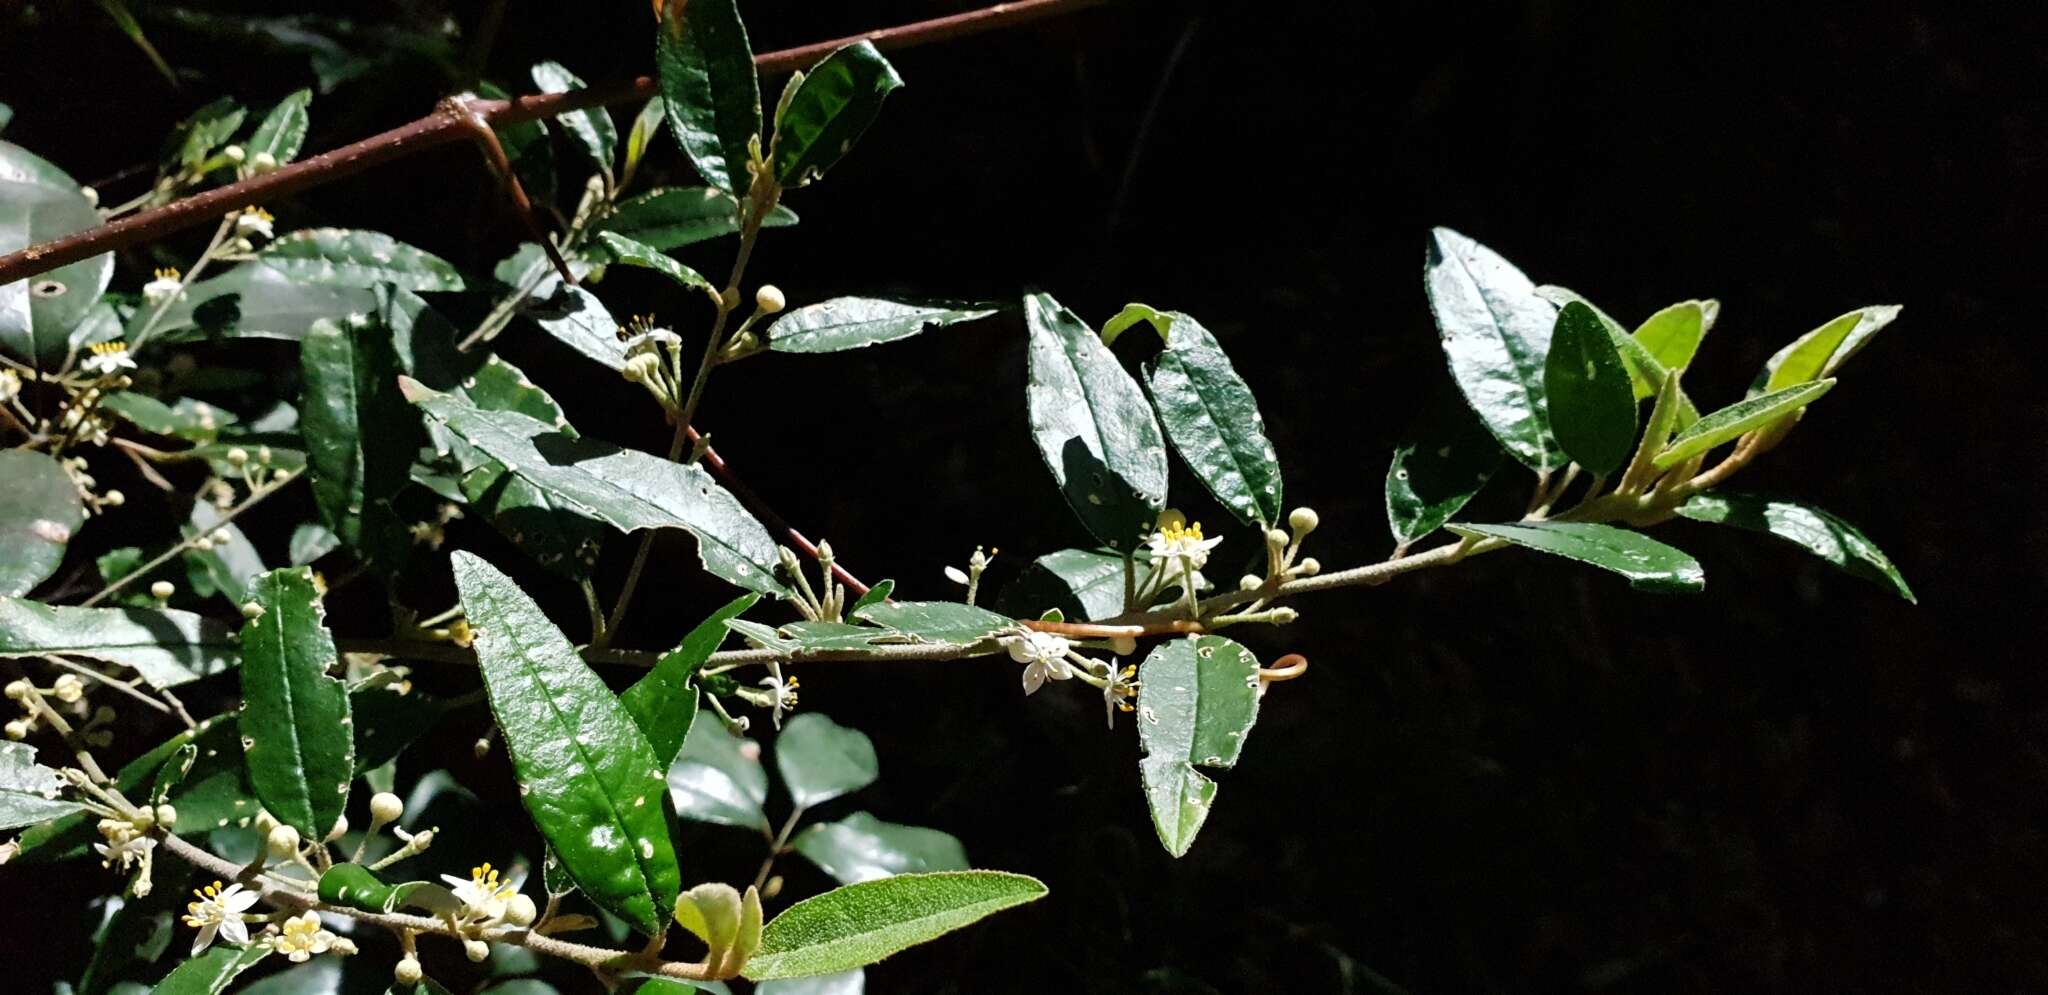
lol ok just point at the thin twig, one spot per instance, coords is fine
(228, 516)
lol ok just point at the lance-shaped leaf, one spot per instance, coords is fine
(1648, 564)
(1433, 477)
(1737, 419)
(255, 301)
(664, 703)
(211, 972)
(860, 924)
(166, 646)
(1213, 421)
(592, 127)
(632, 253)
(1672, 336)
(1496, 334)
(1592, 403)
(1819, 353)
(344, 257)
(821, 759)
(362, 436)
(627, 489)
(39, 511)
(282, 131)
(1093, 426)
(1820, 533)
(586, 774)
(29, 792)
(295, 718)
(672, 217)
(795, 640)
(861, 847)
(936, 621)
(556, 536)
(718, 778)
(208, 128)
(357, 887)
(38, 202)
(1197, 700)
(844, 323)
(829, 109)
(708, 88)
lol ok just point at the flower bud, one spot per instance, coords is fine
(407, 972)
(17, 689)
(92, 196)
(251, 609)
(1309, 566)
(283, 842)
(237, 456)
(386, 807)
(1303, 520)
(343, 945)
(68, 688)
(113, 499)
(519, 910)
(1249, 582)
(340, 827)
(476, 950)
(167, 816)
(234, 153)
(17, 729)
(162, 590)
(1123, 645)
(422, 839)
(264, 162)
(1275, 537)
(1285, 616)
(769, 299)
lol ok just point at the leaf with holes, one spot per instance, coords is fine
(664, 703)
(166, 646)
(30, 793)
(844, 323)
(1197, 700)
(827, 112)
(1213, 421)
(255, 301)
(1433, 477)
(1818, 532)
(1084, 585)
(295, 718)
(860, 924)
(344, 257)
(1648, 564)
(39, 202)
(861, 847)
(1093, 426)
(709, 88)
(39, 512)
(936, 621)
(1496, 336)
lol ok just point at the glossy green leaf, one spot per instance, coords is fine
(627, 489)
(357, 887)
(819, 759)
(632, 253)
(1213, 421)
(282, 131)
(1433, 477)
(718, 778)
(1592, 402)
(39, 513)
(310, 542)
(860, 924)
(794, 640)
(1645, 372)
(1496, 335)
(578, 319)
(295, 718)
(587, 776)
(664, 703)
(557, 535)
(672, 217)
(1819, 353)
(1820, 533)
(1739, 418)
(861, 847)
(529, 269)
(852, 982)
(827, 112)
(29, 792)
(255, 301)
(228, 564)
(1672, 336)
(592, 126)
(166, 646)
(1648, 564)
(844, 323)
(319, 976)
(709, 88)
(729, 924)
(38, 202)
(345, 257)
(386, 721)
(1093, 426)
(362, 435)
(876, 594)
(1197, 700)
(1085, 585)
(211, 972)
(936, 621)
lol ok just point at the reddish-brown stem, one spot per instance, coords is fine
(440, 128)
(717, 465)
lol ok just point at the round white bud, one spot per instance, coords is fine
(769, 299)
(113, 499)
(162, 590)
(1304, 520)
(1249, 582)
(17, 729)
(283, 842)
(476, 950)
(1123, 645)
(234, 153)
(237, 456)
(340, 827)
(251, 609)
(519, 910)
(17, 689)
(407, 972)
(92, 196)
(386, 807)
(1309, 566)
(264, 162)
(167, 816)
(1275, 537)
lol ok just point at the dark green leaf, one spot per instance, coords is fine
(1592, 403)
(39, 512)
(209, 128)
(860, 924)
(853, 322)
(212, 795)
(283, 130)
(936, 621)
(357, 887)
(344, 257)
(1084, 585)
(1739, 418)
(38, 202)
(1093, 426)
(718, 778)
(664, 703)
(1433, 477)
(709, 89)
(528, 149)
(1822, 534)
(672, 217)
(876, 594)
(29, 792)
(577, 318)
(138, 932)
(646, 125)
(861, 847)
(363, 436)
(1496, 335)
(295, 718)
(633, 253)
(557, 536)
(1648, 564)
(255, 301)
(820, 759)
(212, 972)
(1197, 700)
(592, 126)
(1213, 421)
(387, 721)
(586, 774)
(166, 646)
(828, 111)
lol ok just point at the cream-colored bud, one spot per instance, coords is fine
(251, 609)
(340, 827)
(202, 544)
(769, 299)
(264, 162)
(167, 816)
(162, 590)
(283, 842)
(1276, 537)
(1123, 645)
(1249, 582)
(68, 688)
(265, 822)
(407, 972)
(1304, 520)
(17, 729)
(237, 456)
(343, 945)
(773, 888)
(235, 153)
(113, 499)
(1309, 566)
(1285, 616)
(386, 807)
(92, 196)
(422, 840)
(476, 950)
(519, 910)
(17, 689)
(263, 455)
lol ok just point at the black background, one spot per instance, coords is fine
(1514, 775)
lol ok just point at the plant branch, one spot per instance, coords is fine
(230, 515)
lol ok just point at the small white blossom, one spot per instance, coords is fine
(109, 358)
(162, 290)
(219, 912)
(1043, 654)
(1178, 546)
(253, 221)
(483, 894)
(1118, 688)
(302, 937)
(781, 694)
(125, 844)
(68, 688)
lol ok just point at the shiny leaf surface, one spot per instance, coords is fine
(936, 621)
(853, 322)
(1648, 564)
(166, 646)
(29, 792)
(664, 703)
(829, 109)
(1213, 421)
(861, 847)
(295, 718)
(344, 257)
(592, 127)
(1433, 477)
(1592, 402)
(1496, 334)
(39, 512)
(718, 778)
(361, 435)
(672, 217)
(1818, 532)
(709, 88)
(282, 132)
(1093, 426)
(819, 759)
(632, 253)
(1197, 700)
(1739, 418)
(39, 202)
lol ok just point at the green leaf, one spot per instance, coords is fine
(577, 318)
(1820, 533)
(718, 778)
(1496, 336)
(343, 257)
(357, 887)
(528, 268)
(1132, 314)
(255, 301)
(137, 932)
(586, 774)
(1592, 403)
(861, 847)
(362, 436)
(852, 982)
(209, 128)
(557, 536)
(29, 792)
(311, 542)
(1093, 426)
(1085, 585)
(1738, 419)
(729, 924)
(527, 148)
(664, 703)
(709, 89)
(295, 720)
(1819, 353)
(592, 126)
(860, 924)
(633, 253)
(672, 217)
(876, 594)
(387, 721)
(1197, 700)
(6, 116)
(1213, 421)
(829, 109)
(39, 202)
(210, 973)
(1672, 336)
(39, 513)
(1648, 564)
(1433, 477)
(646, 125)
(627, 489)
(844, 323)
(794, 640)
(283, 130)
(936, 621)
(212, 795)
(166, 646)
(184, 419)
(820, 759)
(228, 564)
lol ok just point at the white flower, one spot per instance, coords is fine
(125, 844)
(1178, 546)
(162, 290)
(483, 895)
(1118, 688)
(302, 937)
(1043, 654)
(253, 221)
(219, 911)
(109, 358)
(781, 694)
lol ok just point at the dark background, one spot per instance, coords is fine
(1511, 776)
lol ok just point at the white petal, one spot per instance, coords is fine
(204, 939)
(235, 931)
(1034, 678)
(238, 901)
